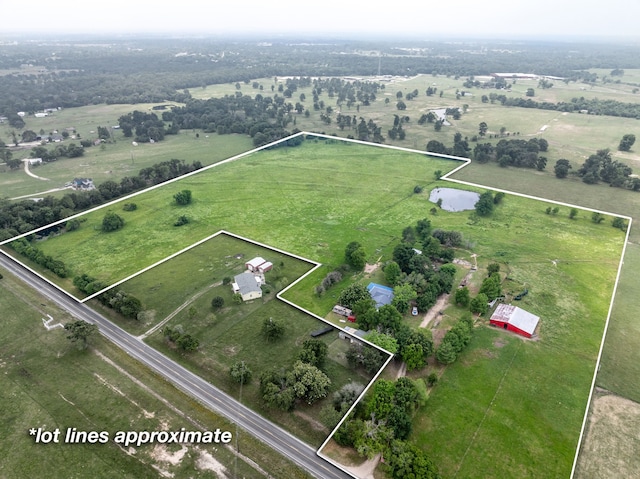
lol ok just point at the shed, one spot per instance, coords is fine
(381, 294)
(253, 264)
(353, 335)
(264, 267)
(247, 285)
(512, 318)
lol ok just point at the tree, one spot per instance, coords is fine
(618, 222)
(310, 383)
(112, 222)
(79, 332)
(403, 294)
(561, 169)
(385, 341)
(446, 353)
(401, 105)
(462, 297)
(597, 217)
(573, 212)
(482, 128)
(355, 255)
(240, 372)
(479, 304)
(392, 273)
(217, 302)
(352, 294)
(530, 92)
(491, 286)
(183, 197)
(272, 329)
(314, 351)
(627, 142)
(484, 205)
(413, 356)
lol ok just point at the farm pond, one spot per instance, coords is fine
(454, 199)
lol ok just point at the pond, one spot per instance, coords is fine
(453, 199)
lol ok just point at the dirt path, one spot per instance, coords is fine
(42, 192)
(433, 311)
(366, 469)
(28, 172)
(178, 309)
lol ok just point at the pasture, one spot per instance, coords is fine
(109, 392)
(112, 160)
(568, 265)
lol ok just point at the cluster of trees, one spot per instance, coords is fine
(519, 153)
(281, 388)
(183, 340)
(112, 222)
(382, 423)
(601, 167)
(328, 281)
(460, 147)
(263, 118)
(183, 197)
(120, 301)
(22, 216)
(355, 255)
(147, 126)
(455, 340)
(23, 247)
(59, 151)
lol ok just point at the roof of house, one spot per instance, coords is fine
(521, 319)
(381, 294)
(246, 282)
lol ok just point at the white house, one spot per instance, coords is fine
(247, 285)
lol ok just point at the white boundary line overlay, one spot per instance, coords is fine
(311, 135)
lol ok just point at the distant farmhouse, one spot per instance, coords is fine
(381, 294)
(83, 184)
(512, 318)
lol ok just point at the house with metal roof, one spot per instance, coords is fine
(381, 294)
(513, 318)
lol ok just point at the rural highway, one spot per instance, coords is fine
(210, 396)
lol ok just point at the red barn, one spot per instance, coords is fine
(512, 318)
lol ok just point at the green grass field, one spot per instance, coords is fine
(371, 200)
(115, 159)
(46, 382)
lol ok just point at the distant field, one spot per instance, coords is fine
(36, 391)
(113, 160)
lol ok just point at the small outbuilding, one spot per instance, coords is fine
(512, 318)
(247, 285)
(255, 263)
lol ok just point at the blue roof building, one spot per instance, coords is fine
(381, 294)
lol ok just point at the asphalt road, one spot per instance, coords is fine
(210, 396)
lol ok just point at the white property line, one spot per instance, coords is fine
(446, 177)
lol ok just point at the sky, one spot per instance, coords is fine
(423, 19)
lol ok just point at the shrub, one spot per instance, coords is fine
(130, 207)
(217, 302)
(112, 222)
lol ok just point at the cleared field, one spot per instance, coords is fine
(109, 392)
(614, 427)
(115, 159)
(568, 265)
(278, 197)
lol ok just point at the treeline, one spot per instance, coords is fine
(519, 153)
(382, 423)
(121, 302)
(23, 247)
(591, 106)
(149, 71)
(26, 215)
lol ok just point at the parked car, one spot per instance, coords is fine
(414, 311)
